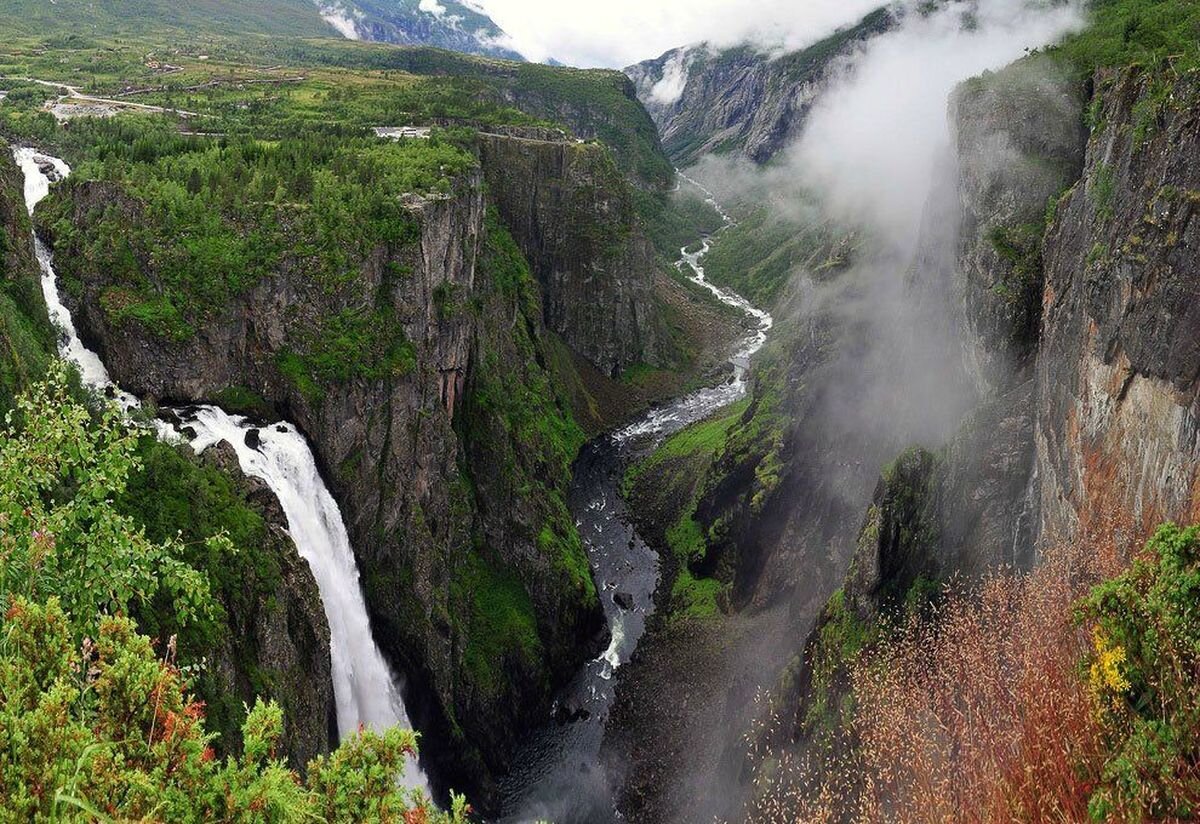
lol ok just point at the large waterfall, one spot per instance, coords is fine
(364, 687)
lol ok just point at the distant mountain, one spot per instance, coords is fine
(144, 17)
(457, 25)
(448, 24)
(741, 99)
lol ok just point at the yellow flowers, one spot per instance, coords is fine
(1106, 677)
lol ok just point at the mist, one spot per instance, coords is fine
(872, 142)
(619, 33)
(875, 348)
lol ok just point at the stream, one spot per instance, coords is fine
(558, 775)
(366, 691)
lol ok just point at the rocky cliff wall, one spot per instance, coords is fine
(1120, 353)
(740, 99)
(479, 592)
(573, 217)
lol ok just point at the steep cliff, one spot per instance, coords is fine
(1120, 354)
(1020, 143)
(431, 392)
(574, 219)
(271, 639)
(742, 99)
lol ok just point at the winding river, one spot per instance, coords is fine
(365, 689)
(559, 776)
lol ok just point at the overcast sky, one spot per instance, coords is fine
(617, 33)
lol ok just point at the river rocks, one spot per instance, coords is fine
(624, 600)
(253, 438)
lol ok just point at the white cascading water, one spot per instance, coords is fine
(365, 690)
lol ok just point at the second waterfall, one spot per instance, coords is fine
(365, 689)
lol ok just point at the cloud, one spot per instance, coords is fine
(872, 142)
(617, 33)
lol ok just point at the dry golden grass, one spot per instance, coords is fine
(976, 712)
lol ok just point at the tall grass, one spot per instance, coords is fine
(977, 710)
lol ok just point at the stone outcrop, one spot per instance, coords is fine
(285, 635)
(1020, 141)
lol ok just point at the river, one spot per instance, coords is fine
(559, 776)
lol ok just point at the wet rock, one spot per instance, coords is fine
(253, 439)
(624, 600)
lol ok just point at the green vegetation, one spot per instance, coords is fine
(182, 225)
(142, 17)
(675, 220)
(1148, 33)
(841, 638)
(106, 731)
(61, 537)
(757, 257)
(1142, 677)
(368, 344)
(26, 336)
(520, 440)
(93, 724)
(501, 622)
(670, 481)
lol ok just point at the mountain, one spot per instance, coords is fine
(134, 17)
(450, 24)
(742, 99)
(453, 25)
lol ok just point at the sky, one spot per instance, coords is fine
(618, 33)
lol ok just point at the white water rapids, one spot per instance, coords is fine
(365, 690)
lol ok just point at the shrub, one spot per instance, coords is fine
(1143, 674)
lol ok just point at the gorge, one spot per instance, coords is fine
(386, 418)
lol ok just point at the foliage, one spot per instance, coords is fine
(60, 534)
(759, 255)
(1149, 33)
(500, 621)
(105, 731)
(673, 478)
(102, 729)
(181, 225)
(1143, 676)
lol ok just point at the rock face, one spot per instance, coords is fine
(573, 218)
(740, 99)
(450, 25)
(1120, 354)
(286, 635)
(1020, 143)
(453, 503)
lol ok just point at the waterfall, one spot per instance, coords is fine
(364, 688)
